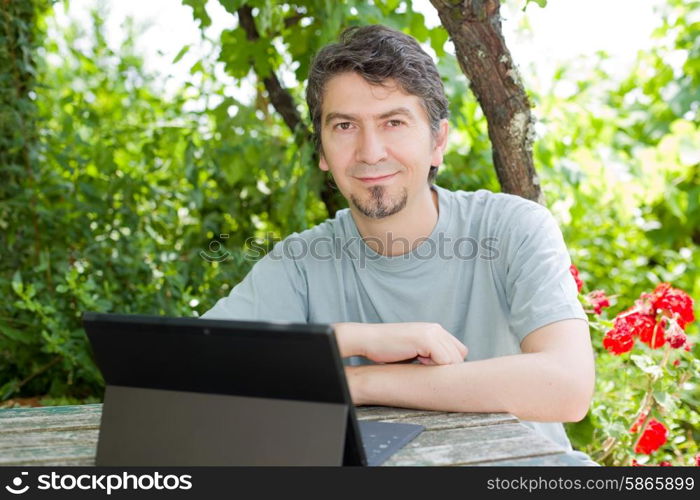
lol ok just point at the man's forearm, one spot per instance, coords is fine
(531, 386)
(350, 338)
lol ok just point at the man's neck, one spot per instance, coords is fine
(402, 232)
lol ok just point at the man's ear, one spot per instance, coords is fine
(440, 143)
(322, 164)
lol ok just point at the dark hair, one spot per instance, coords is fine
(378, 53)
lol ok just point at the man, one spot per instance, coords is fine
(414, 272)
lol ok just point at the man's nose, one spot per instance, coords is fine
(371, 149)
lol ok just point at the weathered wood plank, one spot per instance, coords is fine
(18, 440)
(441, 421)
(558, 459)
(471, 445)
(63, 411)
(53, 455)
(44, 424)
(388, 413)
(63, 462)
(385, 412)
(50, 418)
(88, 417)
(468, 434)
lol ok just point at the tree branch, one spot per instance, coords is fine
(283, 103)
(280, 97)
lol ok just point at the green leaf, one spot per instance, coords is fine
(541, 3)
(616, 429)
(199, 12)
(232, 5)
(236, 52)
(387, 6)
(17, 284)
(438, 37)
(666, 401)
(181, 54)
(417, 27)
(197, 67)
(647, 365)
(8, 389)
(23, 336)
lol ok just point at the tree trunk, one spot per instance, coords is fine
(475, 29)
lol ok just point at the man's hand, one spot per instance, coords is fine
(430, 343)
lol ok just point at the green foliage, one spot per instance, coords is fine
(116, 225)
(620, 170)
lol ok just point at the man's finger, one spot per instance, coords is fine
(461, 347)
(446, 353)
(453, 350)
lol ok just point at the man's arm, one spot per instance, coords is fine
(552, 380)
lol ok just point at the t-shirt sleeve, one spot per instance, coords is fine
(273, 290)
(539, 286)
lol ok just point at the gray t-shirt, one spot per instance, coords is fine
(494, 269)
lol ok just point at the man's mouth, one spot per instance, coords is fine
(371, 180)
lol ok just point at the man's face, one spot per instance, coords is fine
(377, 144)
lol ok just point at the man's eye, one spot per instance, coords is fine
(343, 125)
(395, 123)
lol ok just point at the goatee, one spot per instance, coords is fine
(377, 207)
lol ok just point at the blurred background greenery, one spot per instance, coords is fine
(125, 190)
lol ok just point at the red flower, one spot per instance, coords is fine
(674, 302)
(642, 326)
(637, 423)
(676, 337)
(635, 463)
(598, 300)
(574, 273)
(618, 341)
(697, 460)
(652, 439)
(644, 304)
(665, 464)
(655, 337)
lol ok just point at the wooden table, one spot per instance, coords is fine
(67, 435)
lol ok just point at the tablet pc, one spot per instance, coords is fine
(190, 391)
